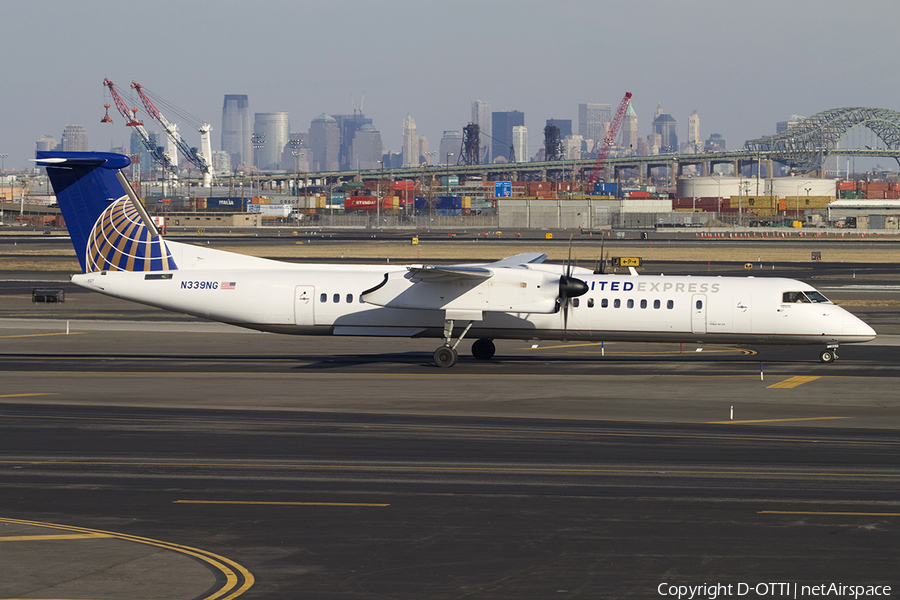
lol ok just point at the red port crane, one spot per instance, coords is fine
(130, 115)
(610, 136)
(201, 159)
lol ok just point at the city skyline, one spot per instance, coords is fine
(686, 56)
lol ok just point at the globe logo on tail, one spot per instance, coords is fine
(119, 241)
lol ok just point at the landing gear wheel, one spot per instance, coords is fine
(445, 357)
(827, 356)
(483, 349)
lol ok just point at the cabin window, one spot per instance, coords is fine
(575, 302)
(590, 303)
(323, 298)
(656, 304)
(337, 298)
(670, 304)
(630, 303)
(643, 304)
(617, 303)
(699, 304)
(349, 298)
(604, 303)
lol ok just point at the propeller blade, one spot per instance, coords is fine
(601, 264)
(569, 287)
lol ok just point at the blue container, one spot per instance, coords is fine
(230, 203)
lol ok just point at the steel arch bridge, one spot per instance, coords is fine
(807, 144)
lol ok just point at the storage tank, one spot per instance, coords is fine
(791, 187)
(711, 187)
(779, 187)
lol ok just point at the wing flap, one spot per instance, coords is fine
(434, 274)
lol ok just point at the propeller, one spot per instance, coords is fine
(569, 287)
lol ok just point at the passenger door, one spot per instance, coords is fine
(304, 311)
(698, 313)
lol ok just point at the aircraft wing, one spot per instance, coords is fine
(433, 274)
(520, 260)
(506, 285)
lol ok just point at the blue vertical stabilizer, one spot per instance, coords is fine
(105, 227)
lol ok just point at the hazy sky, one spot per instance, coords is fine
(742, 66)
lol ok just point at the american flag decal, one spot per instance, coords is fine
(227, 285)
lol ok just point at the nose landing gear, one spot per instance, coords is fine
(828, 355)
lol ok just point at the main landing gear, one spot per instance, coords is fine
(446, 356)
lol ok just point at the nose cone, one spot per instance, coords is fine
(857, 328)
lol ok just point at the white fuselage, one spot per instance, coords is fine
(325, 299)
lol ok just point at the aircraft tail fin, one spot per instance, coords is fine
(106, 227)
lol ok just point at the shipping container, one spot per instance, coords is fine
(275, 210)
(225, 203)
(365, 203)
(602, 188)
(403, 185)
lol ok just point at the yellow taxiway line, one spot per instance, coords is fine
(794, 382)
(237, 579)
(263, 503)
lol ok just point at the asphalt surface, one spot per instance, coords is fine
(152, 455)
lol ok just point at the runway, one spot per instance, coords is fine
(347, 468)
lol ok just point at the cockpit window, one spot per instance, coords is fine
(803, 297)
(816, 297)
(791, 297)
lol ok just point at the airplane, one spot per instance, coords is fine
(123, 254)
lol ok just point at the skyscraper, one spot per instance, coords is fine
(564, 126)
(451, 142)
(423, 150)
(520, 142)
(630, 135)
(74, 139)
(44, 143)
(325, 143)
(694, 132)
(481, 116)
(667, 128)
(236, 129)
(593, 121)
(137, 148)
(296, 156)
(348, 127)
(367, 148)
(502, 124)
(276, 127)
(410, 142)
